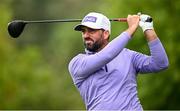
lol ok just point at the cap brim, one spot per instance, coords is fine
(78, 27)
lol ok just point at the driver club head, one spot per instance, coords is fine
(16, 27)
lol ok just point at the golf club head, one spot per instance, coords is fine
(15, 28)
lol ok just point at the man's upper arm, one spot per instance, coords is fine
(143, 63)
(155, 62)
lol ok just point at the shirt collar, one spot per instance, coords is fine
(89, 52)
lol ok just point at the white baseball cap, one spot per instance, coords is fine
(95, 21)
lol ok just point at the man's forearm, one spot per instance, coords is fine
(150, 35)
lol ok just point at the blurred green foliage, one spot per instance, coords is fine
(33, 68)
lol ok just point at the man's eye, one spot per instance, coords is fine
(82, 30)
(92, 30)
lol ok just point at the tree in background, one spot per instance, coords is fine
(33, 68)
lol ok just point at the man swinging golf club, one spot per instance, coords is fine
(106, 74)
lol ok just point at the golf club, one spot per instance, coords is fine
(16, 27)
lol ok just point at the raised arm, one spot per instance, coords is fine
(158, 59)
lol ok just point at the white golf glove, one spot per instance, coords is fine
(145, 25)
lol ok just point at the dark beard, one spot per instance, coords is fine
(95, 46)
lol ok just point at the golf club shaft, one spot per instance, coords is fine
(71, 20)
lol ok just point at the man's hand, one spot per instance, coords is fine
(133, 22)
(145, 25)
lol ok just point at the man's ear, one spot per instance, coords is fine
(106, 34)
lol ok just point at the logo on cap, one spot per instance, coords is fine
(90, 19)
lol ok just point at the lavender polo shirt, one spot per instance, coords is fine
(106, 80)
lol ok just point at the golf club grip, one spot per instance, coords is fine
(119, 19)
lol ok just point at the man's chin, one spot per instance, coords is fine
(92, 47)
(89, 48)
(89, 42)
